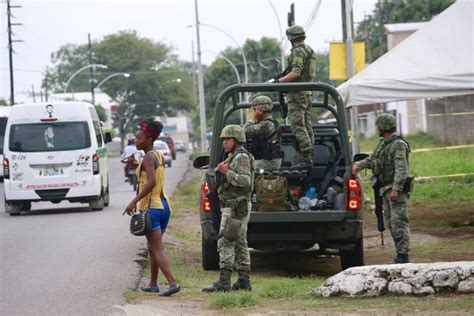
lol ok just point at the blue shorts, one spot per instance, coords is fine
(160, 217)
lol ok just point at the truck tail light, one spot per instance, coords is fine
(6, 168)
(354, 195)
(205, 203)
(95, 164)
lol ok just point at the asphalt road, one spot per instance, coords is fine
(64, 259)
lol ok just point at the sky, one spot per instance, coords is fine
(49, 24)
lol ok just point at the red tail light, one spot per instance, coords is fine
(354, 195)
(95, 164)
(6, 169)
(205, 203)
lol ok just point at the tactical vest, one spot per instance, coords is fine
(227, 191)
(309, 70)
(266, 147)
(383, 165)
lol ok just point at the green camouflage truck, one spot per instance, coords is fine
(332, 227)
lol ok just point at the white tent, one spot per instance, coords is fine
(436, 61)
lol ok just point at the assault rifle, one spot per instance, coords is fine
(378, 206)
(281, 95)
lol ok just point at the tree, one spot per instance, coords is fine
(395, 11)
(3, 102)
(101, 113)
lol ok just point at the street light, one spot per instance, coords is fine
(81, 69)
(126, 75)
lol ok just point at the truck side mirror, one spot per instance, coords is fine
(107, 137)
(359, 157)
(201, 161)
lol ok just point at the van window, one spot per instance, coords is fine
(3, 126)
(49, 137)
(98, 133)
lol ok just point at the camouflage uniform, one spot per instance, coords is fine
(302, 61)
(234, 193)
(389, 163)
(263, 138)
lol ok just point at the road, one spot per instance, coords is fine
(64, 259)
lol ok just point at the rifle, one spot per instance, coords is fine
(281, 95)
(378, 206)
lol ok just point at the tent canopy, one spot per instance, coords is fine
(435, 61)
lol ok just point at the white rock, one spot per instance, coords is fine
(427, 290)
(466, 286)
(447, 278)
(400, 288)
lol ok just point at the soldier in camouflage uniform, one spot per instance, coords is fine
(302, 62)
(263, 135)
(235, 185)
(389, 164)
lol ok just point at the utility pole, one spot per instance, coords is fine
(347, 31)
(193, 71)
(91, 71)
(10, 48)
(202, 105)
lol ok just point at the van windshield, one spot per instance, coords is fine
(49, 137)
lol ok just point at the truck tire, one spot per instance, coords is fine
(210, 256)
(354, 257)
(97, 204)
(107, 196)
(12, 208)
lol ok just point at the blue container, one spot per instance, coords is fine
(311, 193)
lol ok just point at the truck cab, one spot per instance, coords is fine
(336, 224)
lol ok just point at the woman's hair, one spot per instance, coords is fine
(151, 128)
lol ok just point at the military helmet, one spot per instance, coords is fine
(386, 121)
(263, 102)
(234, 131)
(295, 32)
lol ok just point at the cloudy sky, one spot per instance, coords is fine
(48, 24)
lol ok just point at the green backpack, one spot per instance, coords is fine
(271, 193)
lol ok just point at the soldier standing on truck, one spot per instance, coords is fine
(235, 185)
(301, 68)
(389, 164)
(263, 135)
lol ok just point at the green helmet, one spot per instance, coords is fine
(263, 102)
(234, 131)
(386, 121)
(295, 32)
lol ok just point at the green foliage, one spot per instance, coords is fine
(233, 300)
(3, 102)
(101, 112)
(112, 132)
(395, 11)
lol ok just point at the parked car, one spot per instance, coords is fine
(180, 146)
(335, 224)
(163, 148)
(169, 141)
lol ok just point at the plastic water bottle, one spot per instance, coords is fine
(304, 203)
(311, 193)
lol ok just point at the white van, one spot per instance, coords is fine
(55, 152)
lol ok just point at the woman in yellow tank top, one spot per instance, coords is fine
(151, 196)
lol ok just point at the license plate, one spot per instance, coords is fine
(46, 172)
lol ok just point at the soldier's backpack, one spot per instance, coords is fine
(271, 193)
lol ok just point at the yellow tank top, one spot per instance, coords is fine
(153, 199)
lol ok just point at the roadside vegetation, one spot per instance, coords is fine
(284, 285)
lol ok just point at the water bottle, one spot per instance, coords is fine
(304, 203)
(311, 193)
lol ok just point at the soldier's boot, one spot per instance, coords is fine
(307, 160)
(401, 258)
(223, 285)
(243, 282)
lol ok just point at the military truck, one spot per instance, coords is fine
(335, 226)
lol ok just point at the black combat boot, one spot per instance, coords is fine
(223, 285)
(401, 258)
(243, 282)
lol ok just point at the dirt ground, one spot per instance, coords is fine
(303, 263)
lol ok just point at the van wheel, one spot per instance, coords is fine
(107, 196)
(97, 204)
(169, 164)
(26, 206)
(12, 208)
(210, 256)
(354, 257)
